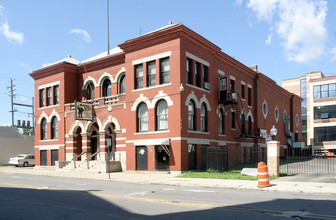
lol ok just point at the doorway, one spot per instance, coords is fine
(94, 144)
(162, 159)
(141, 158)
(192, 157)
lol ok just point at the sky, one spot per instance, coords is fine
(285, 38)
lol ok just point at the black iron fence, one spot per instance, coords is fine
(225, 159)
(306, 161)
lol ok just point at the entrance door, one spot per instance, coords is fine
(204, 156)
(94, 144)
(141, 158)
(191, 157)
(162, 159)
(43, 157)
(54, 157)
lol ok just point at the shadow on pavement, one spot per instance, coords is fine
(22, 203)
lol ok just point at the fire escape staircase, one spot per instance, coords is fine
(233, 100)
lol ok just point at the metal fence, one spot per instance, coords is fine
(225, 159)
(304, 161)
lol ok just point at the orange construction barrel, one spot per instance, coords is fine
(263, 177)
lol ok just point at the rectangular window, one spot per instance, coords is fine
(41, 91)
(164, 70)
(205, 76)
(233, 120)
(324, 112)
(325, 134)
(151, 73)
(48, 96)
(56, 95)
(198, 74)
(190, 71)
(138, 76)
(324, 91)
(232, 86)
(317, 92)
(243, 91)
(249, 96)
(332, 90)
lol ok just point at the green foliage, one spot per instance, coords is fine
(27, 131)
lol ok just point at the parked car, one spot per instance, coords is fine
(24, 160)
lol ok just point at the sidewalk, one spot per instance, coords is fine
(299, 184)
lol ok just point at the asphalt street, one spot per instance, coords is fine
(44, 197)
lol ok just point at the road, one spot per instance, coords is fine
(41, 197)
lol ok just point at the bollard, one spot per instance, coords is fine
(263, 177)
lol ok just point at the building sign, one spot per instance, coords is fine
(83, 111)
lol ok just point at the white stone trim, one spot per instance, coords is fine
(43, 115)
(151, 58)
(276, 119)
(87, 81)
(160, 96)
(204, 100)
(49, 147)
(233, 78)
(220, 72)
(193, 57)
(48, 85)
(262, 109)
(103, 77)
(140, 99)
(121, 72)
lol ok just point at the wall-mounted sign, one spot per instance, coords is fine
(83, 111)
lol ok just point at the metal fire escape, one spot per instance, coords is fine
(232, 99)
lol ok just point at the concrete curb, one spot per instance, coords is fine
(174, 180)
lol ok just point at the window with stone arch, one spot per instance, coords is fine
(221, 122)
(191, 115)
(44, 133)
(204, 117)
(162, 115)
(142, 117)
(90, 94)
(107, 88)
(122, 88)
(54, 128)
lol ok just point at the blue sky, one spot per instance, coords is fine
(285, 38)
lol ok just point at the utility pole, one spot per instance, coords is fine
(11, 87)
(12, 95)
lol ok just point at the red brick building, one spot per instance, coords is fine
(160, 100)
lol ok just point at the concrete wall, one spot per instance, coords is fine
(12, 144)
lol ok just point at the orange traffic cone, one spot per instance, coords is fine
(263, 177)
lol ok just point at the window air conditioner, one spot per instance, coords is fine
(207, 85)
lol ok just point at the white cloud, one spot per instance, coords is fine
(300, 24)
(11, 36)
(268, 41)
(263, 9)
(85, 35)
(26, 66)
(333, 54)
(238, 3)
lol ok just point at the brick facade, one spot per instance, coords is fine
(136, 134)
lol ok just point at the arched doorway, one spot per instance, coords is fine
(78, 140)
(94, 144)
(111, 142)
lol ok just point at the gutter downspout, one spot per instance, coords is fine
(255, 115)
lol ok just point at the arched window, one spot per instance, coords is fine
(106, 88)
(142, 117)
(44, 133)
(162, 115)
(122, 84)
(191, 116)
(90, 91)
(204, 118)
(54, 128)
(249, 125)
(221, 124)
